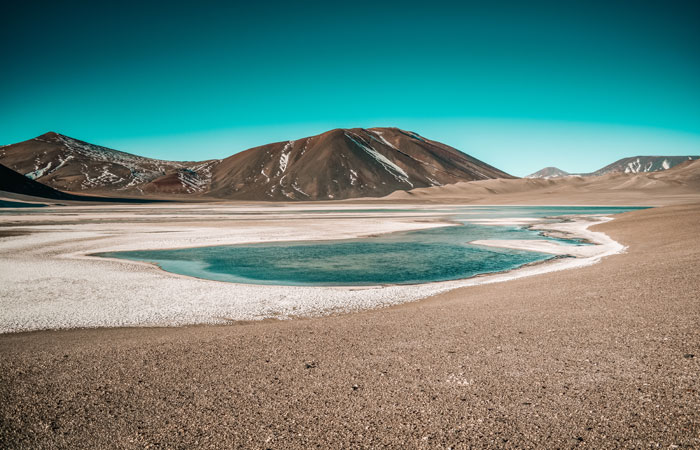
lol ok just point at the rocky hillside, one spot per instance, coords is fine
(640, 164)
(68, 164)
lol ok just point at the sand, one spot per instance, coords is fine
(603, 356)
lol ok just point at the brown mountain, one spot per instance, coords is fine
(345, 163)
(338, 164)
(71, 165)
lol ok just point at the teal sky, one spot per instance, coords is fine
(521, 85)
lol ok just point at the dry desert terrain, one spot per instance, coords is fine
(602, 356)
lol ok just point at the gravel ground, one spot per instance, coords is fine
(603, 356)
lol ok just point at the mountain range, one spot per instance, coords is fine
(338, 164)
(641, 164)
(676, 185)
(633, 164)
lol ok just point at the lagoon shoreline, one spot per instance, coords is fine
(100, 291)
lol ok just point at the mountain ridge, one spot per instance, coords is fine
(630, 164)
(640, 164)
(646, 188)
(338, 164)
(69, 164)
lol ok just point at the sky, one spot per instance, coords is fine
(520, 85)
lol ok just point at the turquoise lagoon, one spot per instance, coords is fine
(437, 254)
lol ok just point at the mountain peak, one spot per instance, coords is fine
(48, 136)
(549, 172)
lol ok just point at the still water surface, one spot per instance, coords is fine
(436, 254)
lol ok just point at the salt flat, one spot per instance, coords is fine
(48, 279)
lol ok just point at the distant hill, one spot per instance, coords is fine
(678, 184)
(633, 164)
(548, 172)
(338, 164)
(639, 164)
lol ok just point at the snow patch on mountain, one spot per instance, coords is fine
(353, 177)
(381, 138)
(396, 171)
(38, 172)
(284, 157)
(298, 189)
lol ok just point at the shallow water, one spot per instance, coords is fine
(437, 254)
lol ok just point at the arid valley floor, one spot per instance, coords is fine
(603, 355)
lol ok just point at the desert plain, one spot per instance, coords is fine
(100, 353)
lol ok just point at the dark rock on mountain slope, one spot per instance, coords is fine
(339, 164)
(345, 163)
(11, 181)
(69, 164)
(16, 183)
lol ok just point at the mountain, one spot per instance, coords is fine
(680, 184)
(633, 164)
(16, 183)
(639, 164)
(345, 163)
(11, 181)
(69, 164)
(549, 172)
(338, 164)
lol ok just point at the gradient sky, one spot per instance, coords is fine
(521, 85)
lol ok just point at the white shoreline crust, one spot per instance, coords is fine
(577, 228)
(49, 281)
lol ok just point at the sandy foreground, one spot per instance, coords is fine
(602, 356)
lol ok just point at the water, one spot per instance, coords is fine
(437, 254)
